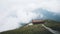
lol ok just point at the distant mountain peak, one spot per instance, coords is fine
(47, 14)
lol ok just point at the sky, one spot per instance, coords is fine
(15, 12)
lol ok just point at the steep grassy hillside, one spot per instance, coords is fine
(53, 24)
(33, 29)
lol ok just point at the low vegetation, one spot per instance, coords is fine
(33, 29)
(53, 24)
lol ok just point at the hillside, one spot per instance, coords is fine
(55, 25)
(36, 29)
(33, 29)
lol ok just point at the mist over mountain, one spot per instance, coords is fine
(47, 14)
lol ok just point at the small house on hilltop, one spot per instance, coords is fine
(38, 21)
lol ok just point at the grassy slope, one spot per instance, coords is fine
(53, 24)
(34, 29)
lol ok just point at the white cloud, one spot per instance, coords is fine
(23, 10)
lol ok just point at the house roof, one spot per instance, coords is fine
(37, 20)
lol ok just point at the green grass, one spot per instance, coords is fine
(34, 29)
(53, 24)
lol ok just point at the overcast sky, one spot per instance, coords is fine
(13, 12)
